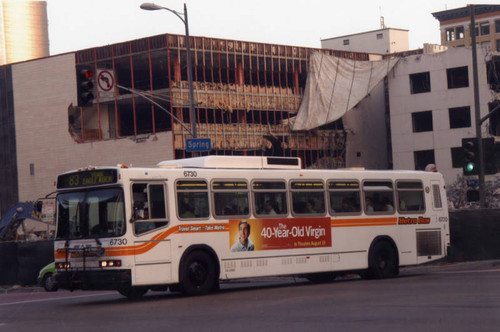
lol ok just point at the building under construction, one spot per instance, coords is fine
(246, 95)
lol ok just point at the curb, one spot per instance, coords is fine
(20, 289)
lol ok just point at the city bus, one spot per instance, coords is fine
(189, 224)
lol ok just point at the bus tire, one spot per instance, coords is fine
(382, 261)
(198, 274)
(133, 293)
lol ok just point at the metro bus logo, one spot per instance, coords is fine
(413, 221)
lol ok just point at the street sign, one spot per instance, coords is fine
(105, 83)
(198, 144)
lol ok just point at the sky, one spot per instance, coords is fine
(80, 24)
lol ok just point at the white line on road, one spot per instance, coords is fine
(56, 298)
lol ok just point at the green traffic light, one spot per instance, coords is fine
(469, 167)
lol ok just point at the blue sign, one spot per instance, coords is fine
(198, 144)
(473, 183)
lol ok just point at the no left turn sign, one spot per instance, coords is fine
(105, 83)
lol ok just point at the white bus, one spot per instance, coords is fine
(189, 224)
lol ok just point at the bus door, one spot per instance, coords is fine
(152, 250)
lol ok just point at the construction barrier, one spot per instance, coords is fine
(20, 262)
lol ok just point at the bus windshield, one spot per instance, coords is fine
(90, 214)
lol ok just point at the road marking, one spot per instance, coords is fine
(56, 298)
(472, 271)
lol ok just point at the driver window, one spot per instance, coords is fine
(149, 206)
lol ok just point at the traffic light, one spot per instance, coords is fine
(85, 85)
(490, 156)
(471, 155)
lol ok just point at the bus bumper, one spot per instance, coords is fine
(93, 280)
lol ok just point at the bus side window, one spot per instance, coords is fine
(230, 198)
(269, 198)
(410, 196)
(149, 209)
(379, 196)
(192, 199)
(308, 197)
(345, 197)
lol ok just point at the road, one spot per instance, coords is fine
(458, 297)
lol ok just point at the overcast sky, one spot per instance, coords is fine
(80, 24)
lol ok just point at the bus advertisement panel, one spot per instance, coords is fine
(281, 233)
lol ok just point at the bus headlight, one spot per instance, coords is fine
(110, 263)
(62, 265)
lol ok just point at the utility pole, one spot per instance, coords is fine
(477, 111)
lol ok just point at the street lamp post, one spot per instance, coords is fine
(192, 114)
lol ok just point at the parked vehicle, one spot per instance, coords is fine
(46, 278)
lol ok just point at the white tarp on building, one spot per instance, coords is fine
(336, 85)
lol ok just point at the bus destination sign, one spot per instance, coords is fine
(87, 178)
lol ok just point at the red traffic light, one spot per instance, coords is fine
(86, 73)
(85, 85)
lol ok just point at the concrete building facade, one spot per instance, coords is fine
(432, 108)
(455, 26)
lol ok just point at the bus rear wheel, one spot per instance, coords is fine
(382, 261)
(198, 274)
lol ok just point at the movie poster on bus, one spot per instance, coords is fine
(274, 234)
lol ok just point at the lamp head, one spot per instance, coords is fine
(150, 6)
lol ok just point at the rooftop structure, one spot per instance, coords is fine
(381, 41)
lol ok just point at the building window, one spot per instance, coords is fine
(476, 29)
(422, 121)
(457, 77)
(380, 35)
(493, 71)
(346, 41)
(420, 82)
(450, 34)
(459, 117)
(497, 26)
(494, 127)
(485, 28)
(423, 158)
(460, 32)
(497, 45)
(457, 157)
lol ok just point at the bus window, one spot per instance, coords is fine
(379, 197)
(94, 213)
(344, 197)
(269, 198)
(148, 206)
(230, 198)
(308, 197)
(410, 196)
(192, 199)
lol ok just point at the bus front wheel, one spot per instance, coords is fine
(382, 261)
(198, 274)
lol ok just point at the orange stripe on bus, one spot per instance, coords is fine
(364, 222)
(146, 246)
